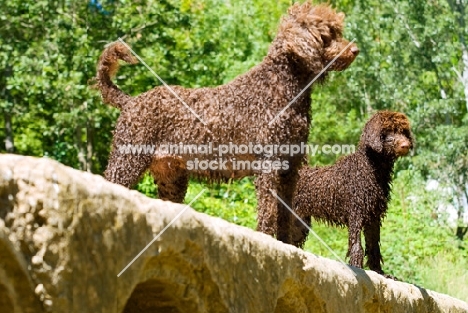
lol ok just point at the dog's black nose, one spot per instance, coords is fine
(405, 146)
(355, 50)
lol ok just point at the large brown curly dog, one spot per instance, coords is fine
(240, 112)
(354, 192)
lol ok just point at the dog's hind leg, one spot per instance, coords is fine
(126, 169)
(132, 151)
(171, 177)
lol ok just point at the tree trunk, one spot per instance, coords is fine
(9, 143)
(465, 74)
(461, 232)
(459, 7)
(462, 208)
(79, 147)
(89, 146)
(85, 152)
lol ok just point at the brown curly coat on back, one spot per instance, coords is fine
(355, 191)
(239, 112)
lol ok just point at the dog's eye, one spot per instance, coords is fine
(326, 40)
(389, 138)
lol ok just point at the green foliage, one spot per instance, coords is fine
(414, 231)
(451, 275)
(234, 202)
(147, 187)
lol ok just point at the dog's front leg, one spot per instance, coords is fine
(274, 218)
(267, 203)
(355, 251)
(299, 232)
(286, 187)
(372, 237)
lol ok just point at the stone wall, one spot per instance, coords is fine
(65, 235)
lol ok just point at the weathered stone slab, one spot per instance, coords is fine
(65, 235)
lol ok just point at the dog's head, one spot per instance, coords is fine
(313, 37)
(388, 133)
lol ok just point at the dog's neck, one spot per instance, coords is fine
(382, 165)
(301, 72)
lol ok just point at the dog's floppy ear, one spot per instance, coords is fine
(301, 33)
(371, 136)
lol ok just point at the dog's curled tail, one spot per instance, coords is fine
(106, 68)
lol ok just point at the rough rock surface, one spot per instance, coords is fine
(66, 235)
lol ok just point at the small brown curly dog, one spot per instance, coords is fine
(248, 110)
(355, 191)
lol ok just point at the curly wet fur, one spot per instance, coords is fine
(355, 191)
(309, 37)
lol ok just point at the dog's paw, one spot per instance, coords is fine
(389, 276)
